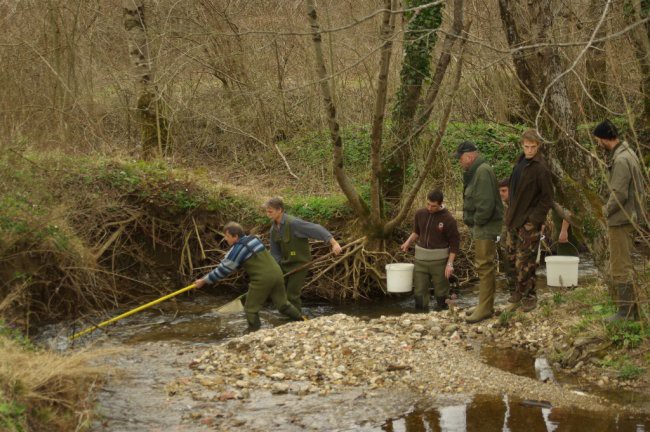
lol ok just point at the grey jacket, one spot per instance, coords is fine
(626, 200)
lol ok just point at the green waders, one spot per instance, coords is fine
(622, 272)
(425, 274)
(484, 251)
(295, 253)
(265, 281)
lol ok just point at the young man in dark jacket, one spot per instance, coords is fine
(531, 197)
(483, 214)
(437, 242)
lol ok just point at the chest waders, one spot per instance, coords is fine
(295, 252)
(265, 281)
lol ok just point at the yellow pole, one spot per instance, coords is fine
(131, 312)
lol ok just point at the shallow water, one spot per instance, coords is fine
(492, 413)
(163, 340)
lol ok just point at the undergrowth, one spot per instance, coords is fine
(626, 340)
(44, 391)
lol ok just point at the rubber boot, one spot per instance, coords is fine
(484, 255)
(626, 305)
(470, 311)
(253, 319)
(485, 307)
(291, 311)
(419, 304)
(441, 304)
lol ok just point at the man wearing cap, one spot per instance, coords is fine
(624, 210)
(437, 242)
(483, 213)
(530, 198)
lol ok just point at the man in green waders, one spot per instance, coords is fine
(483, 213)
(263, 271)
(290, 245)
(624, 211)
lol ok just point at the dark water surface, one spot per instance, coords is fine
(486, 413)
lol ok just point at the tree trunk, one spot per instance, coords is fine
(640, 36)
(376, 225)
(153, 125)
(376, 134)
(523, 69)
(596, 68)
(419, 40)
(360, 208)
(555, 119)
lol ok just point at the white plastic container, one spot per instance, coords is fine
(562, 271)
(399, 277)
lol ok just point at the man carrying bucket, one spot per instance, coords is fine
(624, 210)
(263, 271)
(437, 242)
(483, 213)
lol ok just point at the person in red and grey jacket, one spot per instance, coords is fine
(435, 232)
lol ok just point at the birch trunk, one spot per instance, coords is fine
(153, 125)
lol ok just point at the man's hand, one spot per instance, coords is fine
(336, 247)
(564, 236)
(449, 270)
(199, 283)
(405, 246)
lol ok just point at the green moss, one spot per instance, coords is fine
(320, 209)
(13, 417)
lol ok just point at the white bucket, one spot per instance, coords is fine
(399, 277)
(562, 271)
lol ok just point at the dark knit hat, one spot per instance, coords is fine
(505, 182)
(465, 147)
(605, 130)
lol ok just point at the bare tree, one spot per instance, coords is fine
(153, 124)
(377, 225)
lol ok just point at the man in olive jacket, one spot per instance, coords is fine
(290, 246)
(624, 210)
(531, 197)
(483, 213)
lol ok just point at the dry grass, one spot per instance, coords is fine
(54, 390)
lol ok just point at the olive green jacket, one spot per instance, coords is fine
(482, 206)
(626, 200)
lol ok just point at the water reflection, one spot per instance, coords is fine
(484, 413)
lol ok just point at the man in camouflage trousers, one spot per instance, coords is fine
(531, 197)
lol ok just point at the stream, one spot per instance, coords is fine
(158, 344)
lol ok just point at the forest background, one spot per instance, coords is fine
(131, 131)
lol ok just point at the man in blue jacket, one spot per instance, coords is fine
(265, 276)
